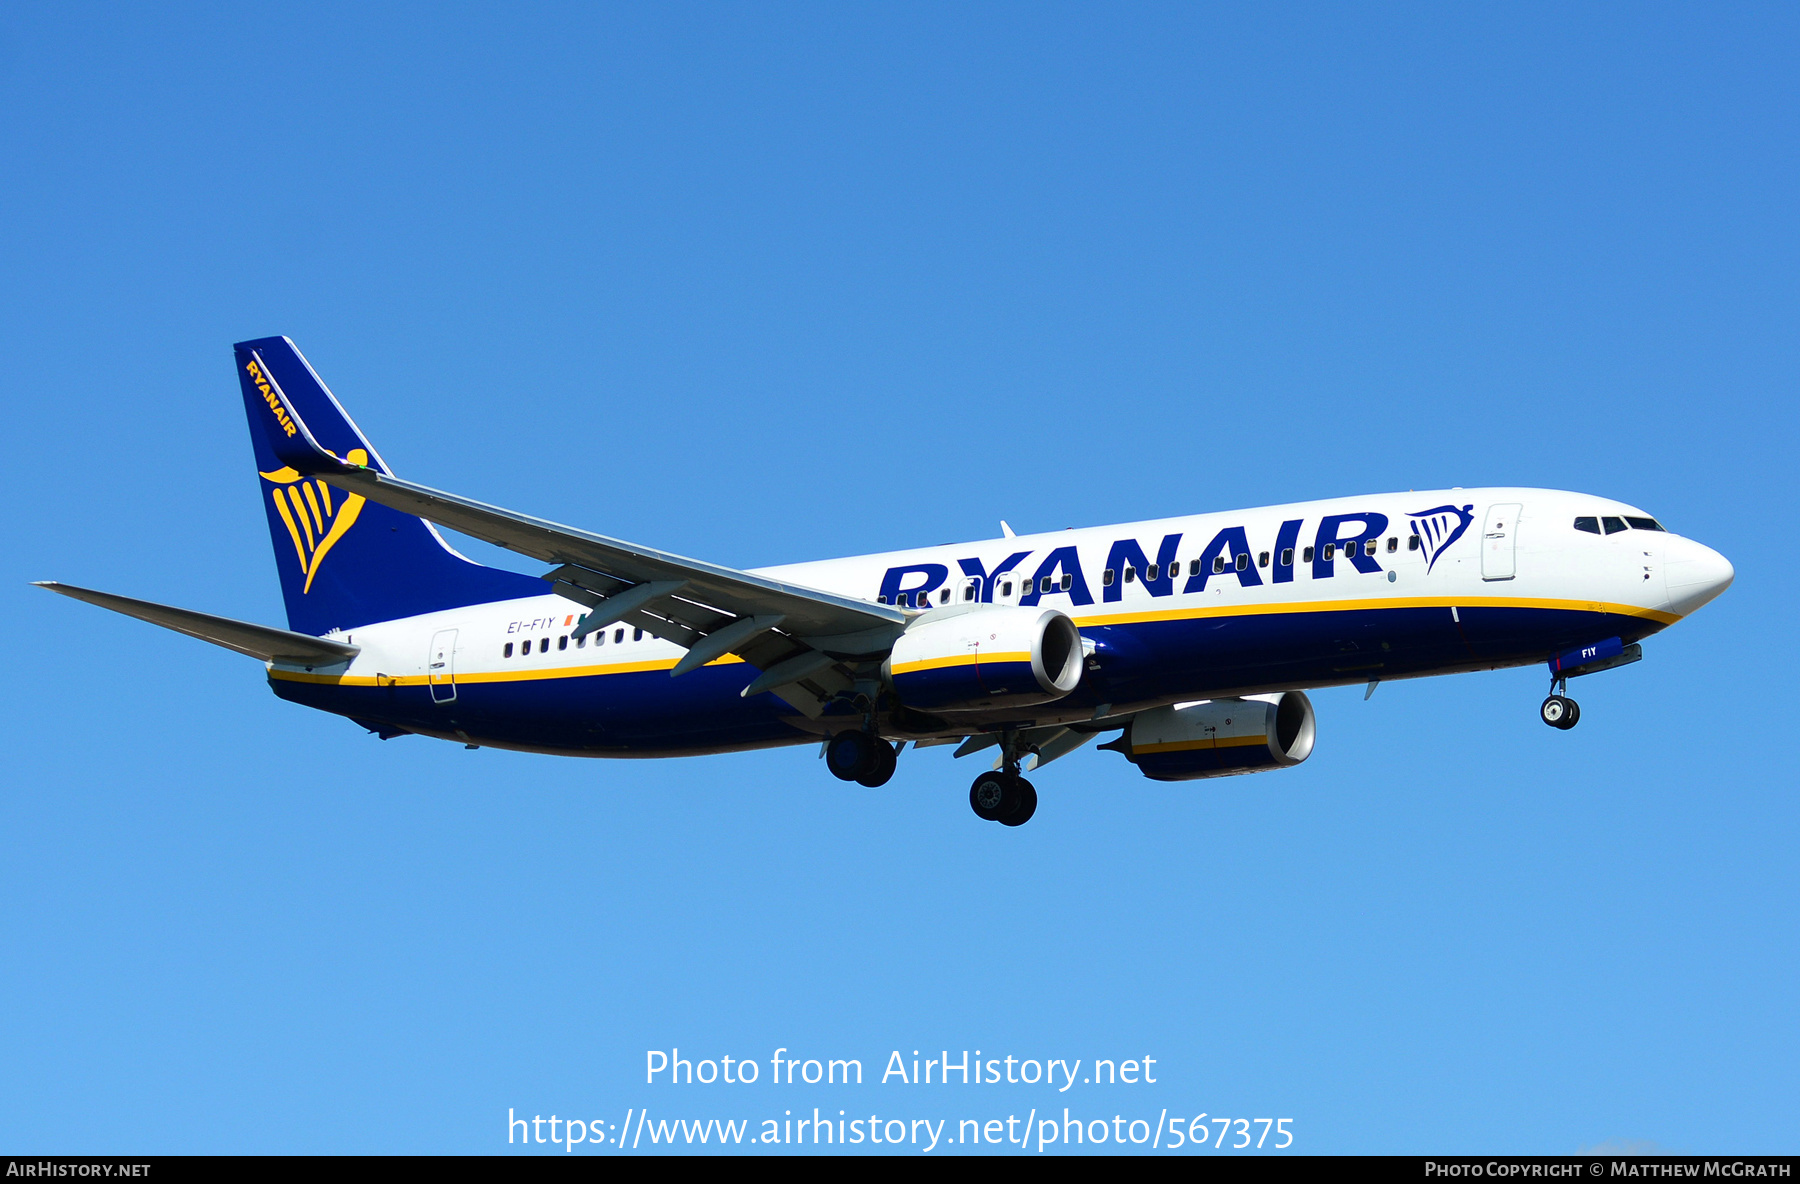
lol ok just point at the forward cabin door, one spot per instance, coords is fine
(1499, 534)
(440, 666)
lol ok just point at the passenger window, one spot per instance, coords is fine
(1613, 525)
(882, 599)
(1306, 556)
(1068, 581)
(1106, 577)
(969, 589)
(1044, 584)
(1218, 564)
(562, 643)
(1243, 561)
(637, 635)
(1412, 542)
(944, 596)
(1006, 588)
(1393, 543)
(618, 636)
(1262, 560)
(543, 645)
(581, 642)
(600, 639)
(1153, 572)
(1643, 524)
(508, 652)
(1130, 574)
(1330, 552)
(1591, 525)
(1287, 557)
(1193, 567)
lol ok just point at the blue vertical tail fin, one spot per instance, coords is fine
(345, 561)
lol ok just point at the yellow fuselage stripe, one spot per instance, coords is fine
(1116, 618)
(419, 680)
(1342, 606)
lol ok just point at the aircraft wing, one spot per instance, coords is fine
(257, 641)
(804, 640)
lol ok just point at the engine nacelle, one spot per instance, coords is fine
(1220, 737)
(982, 657)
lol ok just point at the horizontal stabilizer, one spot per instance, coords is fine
(257, 641)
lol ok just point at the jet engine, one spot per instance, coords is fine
(1219, 737)
(982, 657)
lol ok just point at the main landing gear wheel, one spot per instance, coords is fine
(1560, 711)
(1003, 797)
(886, 758)
(860, 757)
(1027, 805)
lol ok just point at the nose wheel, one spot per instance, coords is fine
(1006, 798)
(1560, 711)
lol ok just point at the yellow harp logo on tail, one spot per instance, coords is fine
(315, 517)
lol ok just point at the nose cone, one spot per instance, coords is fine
(1695, 574)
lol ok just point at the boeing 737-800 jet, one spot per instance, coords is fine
(1194, 638)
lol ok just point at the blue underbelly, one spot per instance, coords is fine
(647, 713)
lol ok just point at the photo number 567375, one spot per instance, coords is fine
(1233, 1133)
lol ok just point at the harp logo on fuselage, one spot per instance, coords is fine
(1438, 528)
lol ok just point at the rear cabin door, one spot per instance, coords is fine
(440, 666)
(1499, 534)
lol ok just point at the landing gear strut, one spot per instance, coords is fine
(1004, 796)
(862, 757)
(1560, 711)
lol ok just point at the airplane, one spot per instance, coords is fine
(1194, 638)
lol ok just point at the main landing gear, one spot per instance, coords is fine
(1560, 711)
(862, 757)
(1003, 797)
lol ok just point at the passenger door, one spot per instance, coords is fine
(440, 666)
(1499, 536)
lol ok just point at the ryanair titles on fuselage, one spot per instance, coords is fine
(1355, 537)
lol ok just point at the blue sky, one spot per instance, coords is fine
(764, 284)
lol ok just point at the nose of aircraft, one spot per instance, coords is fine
(1695, 573)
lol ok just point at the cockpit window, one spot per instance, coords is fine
(1643, 524)
(1591, 525)
(1613, 525)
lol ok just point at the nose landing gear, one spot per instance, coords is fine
(1560, 711)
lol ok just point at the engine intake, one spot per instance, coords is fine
(1220, 737)
(981, 657)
